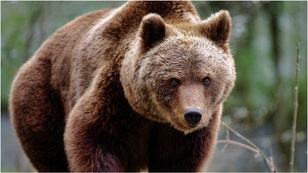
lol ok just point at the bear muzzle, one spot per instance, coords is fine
(192, 116)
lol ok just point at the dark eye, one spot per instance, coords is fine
(206, 81)
(174, 82)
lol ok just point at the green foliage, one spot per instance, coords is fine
(12, 45)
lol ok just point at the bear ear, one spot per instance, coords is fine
(218, 27)
(152, 30)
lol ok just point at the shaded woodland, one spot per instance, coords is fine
(264, 45)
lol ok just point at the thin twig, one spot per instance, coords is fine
(227, 138)
(238, 144)
(272, 162)
(295, 110)
(267, 162)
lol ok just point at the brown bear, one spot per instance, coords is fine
(139, 87)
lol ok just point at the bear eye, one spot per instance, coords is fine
(206, 81)
(174, 82)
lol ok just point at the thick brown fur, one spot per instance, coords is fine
(108, 90)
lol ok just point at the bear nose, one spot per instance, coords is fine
(192, 116)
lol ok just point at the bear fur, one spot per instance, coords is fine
(139, 87)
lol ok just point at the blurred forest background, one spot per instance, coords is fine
(263, 42)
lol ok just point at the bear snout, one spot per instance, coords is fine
(192, 116)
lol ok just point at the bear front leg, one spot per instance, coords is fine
(89, 147)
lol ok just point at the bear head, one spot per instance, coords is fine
(179, 73)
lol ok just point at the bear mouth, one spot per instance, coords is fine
(183, 126)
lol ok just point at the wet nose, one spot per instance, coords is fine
(192, 116)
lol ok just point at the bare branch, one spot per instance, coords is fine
(267, 161)
(295, 110)
(227, 138)
(238, 144)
